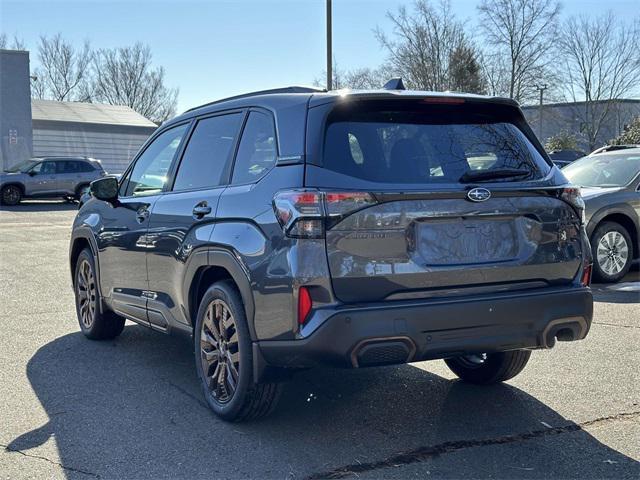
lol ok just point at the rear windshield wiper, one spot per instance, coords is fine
(478, 175)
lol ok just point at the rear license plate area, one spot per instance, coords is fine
(461, 241)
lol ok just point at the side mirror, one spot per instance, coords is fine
(105, 188)
(31, 173)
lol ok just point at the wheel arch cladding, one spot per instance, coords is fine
(14, 184)
(220, 265)
(78, 245)
(82, 238)
(629, 225)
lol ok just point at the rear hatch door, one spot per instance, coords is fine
(461, 202)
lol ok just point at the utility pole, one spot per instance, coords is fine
(541, 88)
(329, 48)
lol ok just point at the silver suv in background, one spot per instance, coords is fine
(49, 177)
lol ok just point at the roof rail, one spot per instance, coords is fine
(292, 89)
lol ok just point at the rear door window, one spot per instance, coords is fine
(422, 146)
(206, 159)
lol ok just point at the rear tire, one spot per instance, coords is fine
(224, 358)
(11, 195)
(94, 324)
(612, 252)
(487, 369)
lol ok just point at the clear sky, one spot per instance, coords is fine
(212, 49)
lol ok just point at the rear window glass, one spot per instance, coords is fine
(422, 146)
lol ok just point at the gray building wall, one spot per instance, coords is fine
(15, 108)
(569, 117)
(114, 145)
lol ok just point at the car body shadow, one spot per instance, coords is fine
(626, 290)
(132, 407)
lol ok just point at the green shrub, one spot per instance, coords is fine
(631, 135)
(561, 141)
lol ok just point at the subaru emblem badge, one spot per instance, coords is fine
(478, 194)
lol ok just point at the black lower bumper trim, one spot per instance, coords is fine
(415, 331)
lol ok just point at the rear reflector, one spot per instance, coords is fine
(585, 280)
(304, 304)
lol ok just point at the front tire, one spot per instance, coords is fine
(11, 195)
(612, 252)
(489, 368)
(224, 358)
(94, 324)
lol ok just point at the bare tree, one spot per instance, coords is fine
(16, 44)
(63, 73)
(602, 63)
(523, 33)
(495, 73)
(357, 78)
(422, 46)
(366, 78)
(126, 76)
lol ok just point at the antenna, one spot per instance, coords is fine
(394, 84)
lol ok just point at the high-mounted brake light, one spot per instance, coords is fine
(444, 100)
(306, 213)
(304, 304)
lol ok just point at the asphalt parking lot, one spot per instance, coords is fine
(72, 408)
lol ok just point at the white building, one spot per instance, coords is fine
(110, 133)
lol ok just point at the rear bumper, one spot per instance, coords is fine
(399, 332)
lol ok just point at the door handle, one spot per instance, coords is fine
(201, 209)
(142, 214)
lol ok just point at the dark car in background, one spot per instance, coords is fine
(562, 158)
(49, 177)
(610, 184)
(297, 228)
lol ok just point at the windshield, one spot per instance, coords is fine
(610, 170)
(420, 146)
(22, 166)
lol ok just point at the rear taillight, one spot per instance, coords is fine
(572, 196)
(304, 304)
(306, 213)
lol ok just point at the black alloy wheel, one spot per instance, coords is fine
(11, 195)
(219, 351)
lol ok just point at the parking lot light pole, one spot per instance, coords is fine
(329, 48)
(541, 88)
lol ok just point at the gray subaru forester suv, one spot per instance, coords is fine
(49, 177)
(296, 228)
